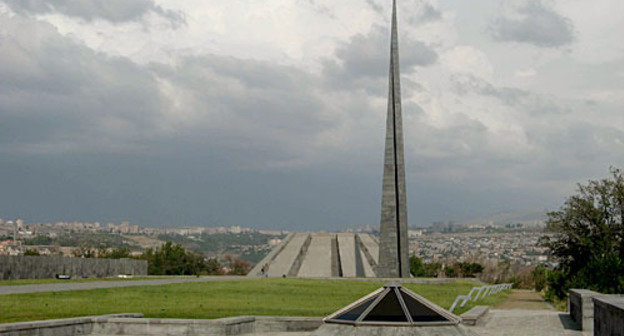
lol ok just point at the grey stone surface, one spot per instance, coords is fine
(365, 260)
(284, 260)
(317, 262)
(581, 307)
(609, 316)
(393, 249)
(336, 265)
(520, 322)
(346, 245)
(498, 323)
(269, 258)
(368, 270)
(296, 266)
(62, 327)
(475, 315)
(349, 330)
(323, 255)
(133, 324)
(31, 267)
(371, 245)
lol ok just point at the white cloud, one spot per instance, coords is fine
(468, 59)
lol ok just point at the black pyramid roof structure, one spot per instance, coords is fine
(393, 305)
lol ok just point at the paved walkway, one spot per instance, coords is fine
(522, 322)
(525, 313)
(71, 286)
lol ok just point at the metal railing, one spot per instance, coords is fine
(481, 292)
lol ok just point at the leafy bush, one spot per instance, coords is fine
(421, 270)
(31, 252)
(170, 259)
(540, 274)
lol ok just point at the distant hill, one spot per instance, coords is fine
(512, 217)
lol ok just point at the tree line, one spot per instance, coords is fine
(172, 259)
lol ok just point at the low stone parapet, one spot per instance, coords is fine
(63, 327)
(474, 315)
(609, 316)
(581, 307)
(134, 324)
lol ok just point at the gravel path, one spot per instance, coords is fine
(72, 286)
(524, 299)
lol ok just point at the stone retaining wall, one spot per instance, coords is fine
(31, 267)
(581, 307)
(133, 324)
(609, 316)
(66, 327)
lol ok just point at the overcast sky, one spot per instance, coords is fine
(271, 114)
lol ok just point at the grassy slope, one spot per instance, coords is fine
(278, 297)
(56, 281)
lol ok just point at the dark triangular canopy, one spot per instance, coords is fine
(393, 305)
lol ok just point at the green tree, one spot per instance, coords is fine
(540, 274)
(450, 271)
(32, 252)
(469, 270)
(237, 266)
(38, 240)
(213, 267)
(433, 269)
(417, 268)
(170, 259)
(587, 238)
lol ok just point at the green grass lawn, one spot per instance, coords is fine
(54, 281)
(269, 297)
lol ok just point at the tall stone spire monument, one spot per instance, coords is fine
(393, 248)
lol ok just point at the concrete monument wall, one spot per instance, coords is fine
(322, 255)
(31, 267)
(609, 316)
(581, 307)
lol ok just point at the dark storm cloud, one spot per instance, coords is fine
(218, 140)
(463, 84)
(533, 23)
(361, 62)
(527, 101)
(54, 91)
(47, 102)
(111, 10)
(563, 146)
